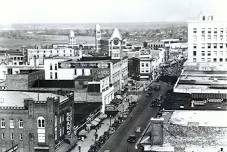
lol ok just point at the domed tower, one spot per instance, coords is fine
(97, 37)
(115, 45)
(72, 38)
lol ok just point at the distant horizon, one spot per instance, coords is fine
(120, 22)
(105, 11)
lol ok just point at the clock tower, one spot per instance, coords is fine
(115, 45)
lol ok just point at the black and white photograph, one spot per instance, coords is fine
(113, 75)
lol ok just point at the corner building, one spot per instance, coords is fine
(34, 122)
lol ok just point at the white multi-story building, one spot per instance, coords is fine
(207, 40)
(68, 69)
(204, 74)
(36, 56)
(149, 62)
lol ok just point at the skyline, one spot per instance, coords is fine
(104, 11)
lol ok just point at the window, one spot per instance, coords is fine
(51, 75)
(194, 59)
(225, 59)
(194, 46)
(3, 135)
(203, 53)
(55, 67)
(11, 123)
(50, 66)
(209, 45)
(204, 18)
(215, 37)
(194, 53)
(221, 31)
(221, 59)
(215, 30)
(208, 53)
(142, 64)
(41, 129)
(41, 122)
(146, 64)
(12, 136)
(203, 46)
(82, 71)
(56, 75)
(209, 37)
(215, 60)
(209, 31)
(75, 72)
(3, 123)
(215, 45)
(208, 59)
(221, 37)
(194, 30)
(21, 136)
(221, 53)
(203, 31)
(21, 124)
(221, 45)
(147, 71)
(215, 53)
(203, 59)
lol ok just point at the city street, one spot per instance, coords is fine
(138, 118)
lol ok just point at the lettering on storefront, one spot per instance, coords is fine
(90, 65)
(215, 100)
(68, 122)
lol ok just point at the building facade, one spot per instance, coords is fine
(207, 40)
(63, 69)
(34, 122)
(204, 74)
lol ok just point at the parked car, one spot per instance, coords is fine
(131, 139)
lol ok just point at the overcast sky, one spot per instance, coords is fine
(77, 11)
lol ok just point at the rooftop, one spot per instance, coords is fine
(16, 98)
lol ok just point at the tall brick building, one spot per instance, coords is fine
(35, 122)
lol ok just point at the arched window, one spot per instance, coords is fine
(41, 129)
(41, 122)
(21, 123)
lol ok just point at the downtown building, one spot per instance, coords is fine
(204, 74)
(114, 65)
(34, 121)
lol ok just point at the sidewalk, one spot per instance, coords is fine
(105, 125)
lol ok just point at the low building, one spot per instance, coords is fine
(33, 122)
(23, 80)
(205, 82)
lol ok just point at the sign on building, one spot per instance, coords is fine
(68, 123)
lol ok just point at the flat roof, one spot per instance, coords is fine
(16, 98)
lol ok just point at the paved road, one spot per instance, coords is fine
(139, 117)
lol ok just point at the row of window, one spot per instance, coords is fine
(55, 75)
(209, 37)
(11, 123)
(142, 64)
(40, 123)
(210, 30)
(52, 51)
(210, 45)
(12, 136)
(210, 60)
(43, 56)
(55, 67)
(208, 53)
